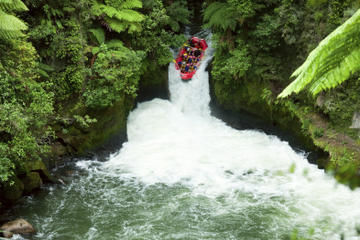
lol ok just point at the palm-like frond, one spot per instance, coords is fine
(98, 34)
(12, 5)
(331, 62)
(10, 26)
(120, 19)
(115, 44)
(220, 15)
(131, 4)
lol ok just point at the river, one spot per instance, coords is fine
(184, 174)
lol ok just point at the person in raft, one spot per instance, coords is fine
(190, 57)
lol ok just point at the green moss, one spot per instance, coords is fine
(110, 121)
(233, 98)
(250, 97)
(39, 167)
(14, 189)
(154, 77)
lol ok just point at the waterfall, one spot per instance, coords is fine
(183, 174)
(179, 142)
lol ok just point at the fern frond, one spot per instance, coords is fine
(331, 62)
(134, 27)
(220, 15)
(12, 5)
(10, 26)
(7, 35)
(129, 15)
(46, 67)
(349, 66)
(99, 9)
(116, 25)
(95, 50)
(123, 14)
(43, 70)
(119, 20)
(114, 44)
(212, 8)
(98, 34)
(131, 4)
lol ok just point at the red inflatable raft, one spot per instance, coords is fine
(189, 58)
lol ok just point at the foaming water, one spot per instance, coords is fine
(178, 142)
(184, 174)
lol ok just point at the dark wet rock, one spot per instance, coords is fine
(229, 172)
(31, 181)
(18, 226)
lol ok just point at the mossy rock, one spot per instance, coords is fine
(110, 121)
(39, 167)
(31, 181)
(14, 189)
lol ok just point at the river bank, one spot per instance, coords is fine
(104, 136)
(253, 63)
(338, 147)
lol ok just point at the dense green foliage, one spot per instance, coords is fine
(335, 59)
(77, 58)
(107, 81)
(259, 44)
(119, 15)
(265, 40)
(24, 107)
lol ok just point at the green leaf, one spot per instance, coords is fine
(12, 5)
(115, 43)
(98, 34)
(332, 62)
(220, 15)
(120, 18)
(10, 26)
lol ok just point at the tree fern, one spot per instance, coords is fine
(220, 15)
(115, 44)
(11, 26)
(12, 5)
(120, 17)
(131, 4)
(178, 13)
(332, 62)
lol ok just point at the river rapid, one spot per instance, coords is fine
(184, 174)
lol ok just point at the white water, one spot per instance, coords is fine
(186, 175)
(178, 141)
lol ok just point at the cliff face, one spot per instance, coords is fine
(80, 141)
(253, 63)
